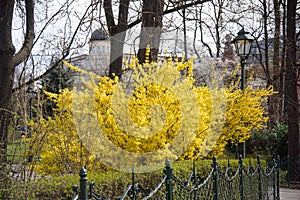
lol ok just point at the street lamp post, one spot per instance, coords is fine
(30, 95)
(243, 46)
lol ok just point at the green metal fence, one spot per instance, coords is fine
(251, 183)
(292, 168)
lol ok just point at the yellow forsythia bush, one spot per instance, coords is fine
(154, 112)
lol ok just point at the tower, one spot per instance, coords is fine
(97, 61)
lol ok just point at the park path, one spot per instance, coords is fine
(289, 194)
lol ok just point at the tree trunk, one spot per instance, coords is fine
(7, 51)
(291, 91)
(275, 103)
(8, 61)
(283, 59)
(117, 38)
(184, 34)
(151, 24)
(152, 14)
(117, 33)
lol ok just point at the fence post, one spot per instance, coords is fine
(194, 179)
(242, 195)
(277, 179)
(259, 178)
(169, 195)
(83, 195)
(91, 188)
(133, 184)
(215, 174)
(274, 178)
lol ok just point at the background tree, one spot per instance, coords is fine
(17, 36)
(9, 59)
(270, 49)
(276, 101)
(292, 101)
(57, 80)
(153, 18)
(117, 33)
(152, 14)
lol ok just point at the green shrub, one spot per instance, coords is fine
(278, 141)
(271, 142)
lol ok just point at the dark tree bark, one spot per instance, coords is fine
(7, 51)
(275, 103)
(218, 12)
(184, 34)
(291, 90)
(8, 61)
(117, 33)
(152, 14)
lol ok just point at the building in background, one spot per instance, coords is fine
(97, 61)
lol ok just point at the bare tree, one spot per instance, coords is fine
(17, 68)
(212, 24)
(51, 50)
(268, 28)
(151, 18)
(151, 29)
(292, 100)
(275, 103)
(9, 59)
(117, 32)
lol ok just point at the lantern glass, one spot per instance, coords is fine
(243, 44)
(243, 47)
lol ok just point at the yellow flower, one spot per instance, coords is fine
(126, 118)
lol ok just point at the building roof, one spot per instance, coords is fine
(98, 35)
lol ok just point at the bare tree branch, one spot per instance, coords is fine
(171, 10)
(65, 54)
(28, 41)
